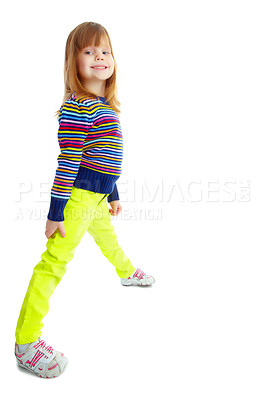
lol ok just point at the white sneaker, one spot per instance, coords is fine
(41, 359)
(138, 278)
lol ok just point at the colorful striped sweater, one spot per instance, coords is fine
(91, 144)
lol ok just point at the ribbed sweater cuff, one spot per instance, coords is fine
(56, 211)
(114, 195)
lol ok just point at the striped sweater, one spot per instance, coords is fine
(91, 145)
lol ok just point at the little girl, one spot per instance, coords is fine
(89, 165)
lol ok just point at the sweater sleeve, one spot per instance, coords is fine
(114, 195)
(75, 119)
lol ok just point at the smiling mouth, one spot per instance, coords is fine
(99, 67)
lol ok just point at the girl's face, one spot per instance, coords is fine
(95, 63)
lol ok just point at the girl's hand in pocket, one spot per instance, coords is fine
(52, 226)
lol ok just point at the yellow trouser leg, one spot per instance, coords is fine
(79, 212)
(104, 235)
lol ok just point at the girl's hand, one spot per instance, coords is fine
(52, 226)
(116, 207)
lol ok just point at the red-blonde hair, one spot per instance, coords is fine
(87, 34)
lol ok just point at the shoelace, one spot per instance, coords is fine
(138, 274)
(44, 347)
(43, 351)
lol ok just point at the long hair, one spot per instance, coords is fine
(87, 34)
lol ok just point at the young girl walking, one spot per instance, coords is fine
(89, 165)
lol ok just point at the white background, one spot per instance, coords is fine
(191, 81)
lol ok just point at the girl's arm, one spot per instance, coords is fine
(75, 120)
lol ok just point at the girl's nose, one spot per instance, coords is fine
(99, 57)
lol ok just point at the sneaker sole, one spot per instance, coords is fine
(39, 375)
(130, 283)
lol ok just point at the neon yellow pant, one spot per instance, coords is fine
(84, 211)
